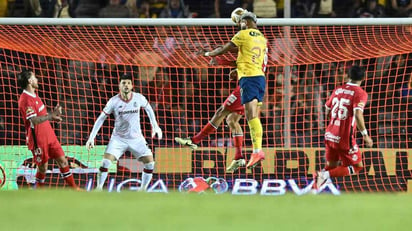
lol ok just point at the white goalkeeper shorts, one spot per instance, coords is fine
(118, 146)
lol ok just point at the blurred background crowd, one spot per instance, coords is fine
(203, 8)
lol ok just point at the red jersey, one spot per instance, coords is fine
(342, 104)
(30, 105)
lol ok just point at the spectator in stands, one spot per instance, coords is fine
(303, 9)
(370, 9)
(224, 8)
(133, 9)
(200, 8)
(49, 8)
(20, 8)
(114, 10)
(156, 7)
(401, 8)
(144, 10)
(324, 9)
(4, 8)
(87, 8)
(265, 8)
(175, 9)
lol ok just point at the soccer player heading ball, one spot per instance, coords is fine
(252, 56)
(232, 109)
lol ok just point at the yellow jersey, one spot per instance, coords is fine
(252, 55)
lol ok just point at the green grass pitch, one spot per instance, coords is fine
(70, 210)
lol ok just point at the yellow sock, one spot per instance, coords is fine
(256, 133)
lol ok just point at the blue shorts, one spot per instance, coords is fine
(252, 88)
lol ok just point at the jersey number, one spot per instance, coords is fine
(339, 108)
(257, 53)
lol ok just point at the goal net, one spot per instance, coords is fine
(78, 66)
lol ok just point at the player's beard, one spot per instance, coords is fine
(125, 93)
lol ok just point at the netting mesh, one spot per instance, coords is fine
(79, 66)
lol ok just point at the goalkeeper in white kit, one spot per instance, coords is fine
(126, 135)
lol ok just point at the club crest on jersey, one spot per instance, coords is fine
(135, 104)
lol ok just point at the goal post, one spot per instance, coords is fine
(79, 61)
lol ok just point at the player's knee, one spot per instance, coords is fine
(148, 167)
(42, 168)
(230, 122)
(62, 162)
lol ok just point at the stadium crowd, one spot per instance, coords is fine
(202, 8)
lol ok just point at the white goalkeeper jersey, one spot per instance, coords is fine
(127, 115)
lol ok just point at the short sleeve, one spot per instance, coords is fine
(27, 110)
(237, 39)
(359, 101)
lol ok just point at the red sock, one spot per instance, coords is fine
(206, 130)
(40, 179)
(238, 142)
(344, 171)
(68, 176)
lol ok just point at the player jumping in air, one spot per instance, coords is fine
(233, 110)
(345, 107)
(127, 135)
(40, 137)
(252, 56)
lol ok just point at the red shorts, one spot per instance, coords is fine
(42, 154)
(347, 157)
(233, 102)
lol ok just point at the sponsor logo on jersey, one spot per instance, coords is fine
(128, 112)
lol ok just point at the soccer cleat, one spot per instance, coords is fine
(235, 165)
(321, 180)
(255, 159)
(186, 142)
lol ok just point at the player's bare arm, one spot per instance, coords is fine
(360, 124)
(218, 51)
(55, 115)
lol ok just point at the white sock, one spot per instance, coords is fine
(147, 175)
(102, 176)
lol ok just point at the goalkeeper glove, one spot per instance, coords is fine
(89, 144)
(157, 131)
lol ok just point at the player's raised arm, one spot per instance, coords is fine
(218, 51)
(96, 127)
